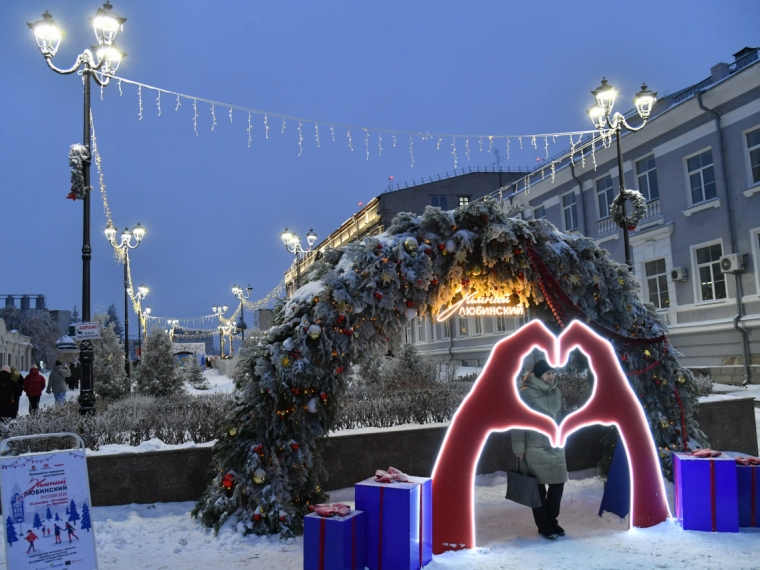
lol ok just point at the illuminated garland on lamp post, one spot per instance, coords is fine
(100, 62)
(143, 317)
(219, 311)
(293, 244)
(238, 292)
(125, 245)
(604, 120)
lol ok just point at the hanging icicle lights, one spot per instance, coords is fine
(370, 134)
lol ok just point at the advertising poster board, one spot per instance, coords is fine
(46, 505)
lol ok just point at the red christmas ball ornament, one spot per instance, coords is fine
(257, 517)
(434, 281)
(228, 481)
(378, 246)
(378, 295)
(409, 303)
(323, 395)
(295, 391)
(349, 332)
(521, 276)
(341, 318)
(624, 358)
(294, 446)
(282, 518)
(657, 382)
(517, 251)
(311, 508)
(419, 281)
(441, 246)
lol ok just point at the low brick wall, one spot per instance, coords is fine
(182, 475)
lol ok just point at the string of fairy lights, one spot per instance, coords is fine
(122, 257)
(372, 138)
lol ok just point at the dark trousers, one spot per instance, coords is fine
(546, 515)
(34, 403)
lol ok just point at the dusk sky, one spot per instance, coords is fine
(213, 206)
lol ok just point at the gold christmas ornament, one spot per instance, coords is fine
(476, 270)
(259, 476)
(681, 379)
(232, 431)
(664, 423)
(411, 245)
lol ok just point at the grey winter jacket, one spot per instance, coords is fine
(545, 462)
(57, 380)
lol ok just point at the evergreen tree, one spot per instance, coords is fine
(57, 518)
(267, 466)
(157, 374)
(193, 374)
(86, 522)
(37, 521)
(72, 512)
(109, 377)
(48, 514)
(10, 532)
(112, 317)
(75, 316)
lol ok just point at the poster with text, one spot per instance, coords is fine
(46, 511)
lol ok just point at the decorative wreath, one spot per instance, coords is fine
(639, 208)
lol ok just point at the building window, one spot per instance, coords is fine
(478, 325)
(431, 332)
(570, 211)
(657, 283)
(408, 334)
(701, 177)
(501, 323)
(464, 200)
(712, 282)
(420, 329)
(439, 202)
(462, 326)
(753, 148)
(447, 328)
(647, 175)
(604, 195)
(539, 212)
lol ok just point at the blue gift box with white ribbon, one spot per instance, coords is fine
(334, 543)
(399, 522)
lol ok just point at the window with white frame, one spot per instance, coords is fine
(447, 328)
(657, 283)
(701, 177)
(570, 211)
(408, 334)
(501, 323)
(646, 173)
(463, 200)
(462, 326)
(539, 212)
(712, 281)
(420, 329)
(478, 321)
(431, 330)
(439, 202)
(753, 150)
(605, 193)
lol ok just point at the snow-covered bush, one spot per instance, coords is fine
(157, 374)
(109, 378)
(704, 384)
(193, 374)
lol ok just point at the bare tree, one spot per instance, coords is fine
(40, 327)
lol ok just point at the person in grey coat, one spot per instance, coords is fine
(57, 382)
(540, 391)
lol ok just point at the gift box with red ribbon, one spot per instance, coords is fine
(705, 491)
(332, 541)
(747, 480)
(399, 521)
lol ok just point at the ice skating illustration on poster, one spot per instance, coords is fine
(46, 511)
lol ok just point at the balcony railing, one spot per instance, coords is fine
(606, 226)
(653, 210)
(743, 62)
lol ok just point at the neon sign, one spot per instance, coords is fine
(472, 306)
(494, 404)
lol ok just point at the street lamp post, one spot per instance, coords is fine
(238, 292)
(604, 120)
(99, 63)
(126, 244)
(293, 245)
(219, 311)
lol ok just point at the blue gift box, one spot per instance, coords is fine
(399, 522)
(706, 493)
(334, 542)
(748, 482)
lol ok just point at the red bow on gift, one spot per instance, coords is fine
(336, 509)
(747, 461)
(390, 476)
(706, 453)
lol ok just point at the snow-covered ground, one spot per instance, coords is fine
(164, 536)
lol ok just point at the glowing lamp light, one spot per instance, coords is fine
(139, 232)
(644, 101)
(494, 404)
(47, 33)
(106, 23)
(143, 291)
(597, 116)
(110, 232)
(110, 56)
(287, 237)
(605, 96)
(311, 237)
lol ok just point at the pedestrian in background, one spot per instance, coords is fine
(18, 379)
(9, 394)
(57, 382)
(34, 384)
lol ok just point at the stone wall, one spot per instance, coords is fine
(181, 475)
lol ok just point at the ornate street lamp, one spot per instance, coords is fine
(138, 232)
(219, 311)
(604, 120)
(293, 244)
(238, 292)
(99, 63)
